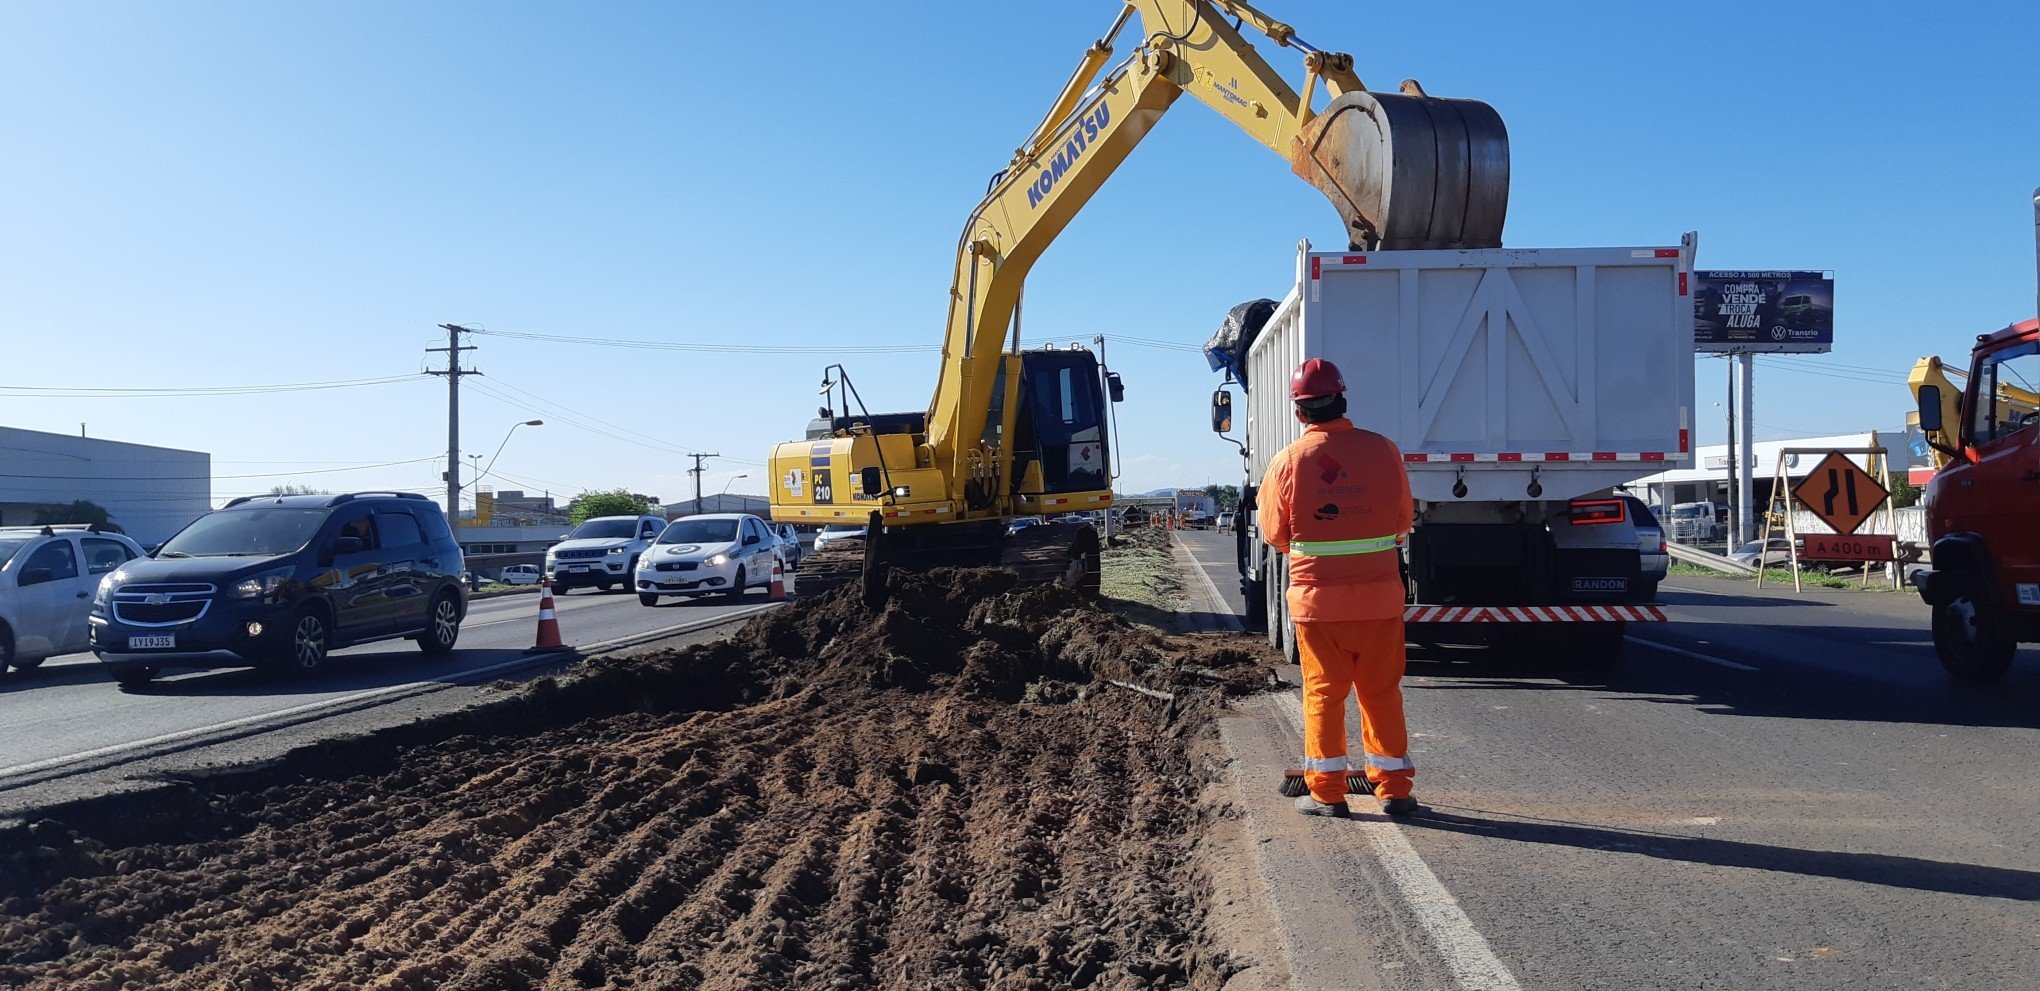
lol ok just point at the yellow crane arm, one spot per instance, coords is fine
(1403, 171)
(2012, 402)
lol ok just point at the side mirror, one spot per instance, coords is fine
(1114, 388)
(347, 545)
(1930, 408)
(1221, 411)
(750, 538)
(37, 576)
(872, 480)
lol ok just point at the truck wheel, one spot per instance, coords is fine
(1256, 597)
(1969, 630)
(1272, 607)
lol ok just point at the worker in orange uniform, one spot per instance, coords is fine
(1337, 502)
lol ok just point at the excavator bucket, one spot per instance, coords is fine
(1410, 171)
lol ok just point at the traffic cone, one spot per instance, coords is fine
(778, 581)
(548, 623)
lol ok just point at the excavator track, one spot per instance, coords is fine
(1059, 553)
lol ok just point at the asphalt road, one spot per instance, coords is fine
(67, 717)
(1771, 791)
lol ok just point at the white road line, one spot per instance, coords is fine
(1473, 963)
(1683, 652)
(1702, 591)
(1218, 602)
(344, 700)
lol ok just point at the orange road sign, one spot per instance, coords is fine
(1841, 493)
(1837, 547)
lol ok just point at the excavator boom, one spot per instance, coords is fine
(1009, 433)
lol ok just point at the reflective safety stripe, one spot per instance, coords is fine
(1390, 763)
(1339, 548)
(1326, 764)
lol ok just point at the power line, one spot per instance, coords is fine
(723, 348)
(94, 392)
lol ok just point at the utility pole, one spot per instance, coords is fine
(1735, 526)
(453, 373)
(696, 472)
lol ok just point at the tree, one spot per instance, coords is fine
(293, 488)
(1903, 494)
(612, 502)
(80, 511)
(1226, 497)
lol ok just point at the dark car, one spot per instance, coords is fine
(280, 581)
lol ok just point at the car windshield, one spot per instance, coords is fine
(246, 533)
(9, 544)
(1689, 512)
(604, 530)
(844, 528)
(699, 532)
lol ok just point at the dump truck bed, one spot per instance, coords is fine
(1503, 374)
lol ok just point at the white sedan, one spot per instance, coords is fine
(729, 553)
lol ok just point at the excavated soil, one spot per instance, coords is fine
(947, 794)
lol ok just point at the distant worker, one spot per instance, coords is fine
(1337, 502)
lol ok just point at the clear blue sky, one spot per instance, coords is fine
(219, 194)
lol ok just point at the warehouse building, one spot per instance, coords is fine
(149, 492)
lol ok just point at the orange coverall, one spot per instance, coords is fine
(1337, 502)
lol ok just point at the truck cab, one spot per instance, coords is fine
(1984, 586)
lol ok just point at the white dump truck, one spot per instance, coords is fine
(1523, 387)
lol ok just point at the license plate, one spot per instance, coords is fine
(159, 641)
(577, 568)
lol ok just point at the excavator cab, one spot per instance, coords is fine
(1059, 436)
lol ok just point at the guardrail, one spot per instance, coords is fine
(1709, 559)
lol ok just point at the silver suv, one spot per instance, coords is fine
(47, 577)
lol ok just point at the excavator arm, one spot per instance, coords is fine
(1012, 433)
(1403, 170)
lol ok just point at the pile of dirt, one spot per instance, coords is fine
(945, 794)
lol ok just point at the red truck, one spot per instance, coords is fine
(1981, 506)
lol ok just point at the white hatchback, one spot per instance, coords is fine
(48, 576)
(729, 553)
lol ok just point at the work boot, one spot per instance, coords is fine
(1312, 807)
(1398, 806)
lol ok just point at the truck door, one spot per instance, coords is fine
(2007, 471)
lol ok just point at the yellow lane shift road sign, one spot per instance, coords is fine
(1840, 492)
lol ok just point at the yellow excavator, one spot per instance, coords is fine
(2013, 403)
(1013, 433)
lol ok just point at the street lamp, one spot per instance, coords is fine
(480, 471)
(726, 486)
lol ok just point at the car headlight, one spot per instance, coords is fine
(620, 550)
(262, 585)
(716, 560)
(105, 591)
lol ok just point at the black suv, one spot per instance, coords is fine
(278, 581)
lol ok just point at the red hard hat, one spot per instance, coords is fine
(1316, 379)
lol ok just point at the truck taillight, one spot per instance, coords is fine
(1592, 511)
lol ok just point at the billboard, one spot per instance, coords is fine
(1763, 311)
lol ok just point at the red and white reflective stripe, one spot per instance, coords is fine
(916, 512)
(1513, 457)
(1533, 614)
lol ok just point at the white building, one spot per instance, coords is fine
(1706, 480)
(150, 492)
